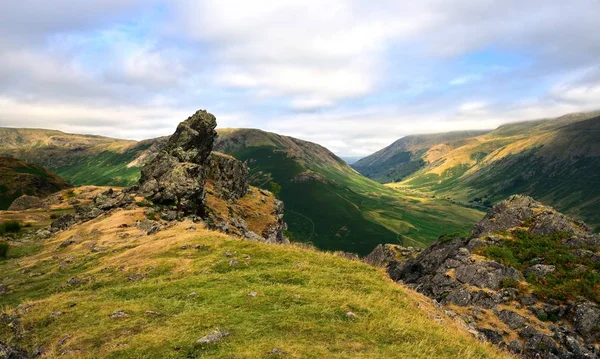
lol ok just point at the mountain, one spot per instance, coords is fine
(526, 278)
(331, 205)
(556, 161)
(327, 202)
(82, 159)
(409, 154)
(192, 262)
(18, 178)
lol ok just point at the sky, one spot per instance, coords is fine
(351, 75)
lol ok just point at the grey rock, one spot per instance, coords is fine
(117, 314)
(228, 175)
(176, 176)
(492, 336)
(384, 254)
(26, 202)
(540, 270)
(587, 320)
(512, 319)
(10, 352)
(213, 337)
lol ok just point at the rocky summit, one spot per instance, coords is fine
(526, 279)
(177, 174)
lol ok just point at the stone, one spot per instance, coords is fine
(350, 315)
(540, 270)
(228, 175)
(492, 336)
(587, 319)
(275, 352)
(213, 337)
(10, 352)
(56, 314)
(253, 294)
(512, 319)
(117, 314)
(176, 176)
(26, 202)
(152, 313)
(384, 254)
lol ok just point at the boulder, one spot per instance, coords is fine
(540, 270)
(384, 254)
(10, 352)
(26, 202)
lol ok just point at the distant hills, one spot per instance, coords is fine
(556, 161)
(18, 178)
(327, 202)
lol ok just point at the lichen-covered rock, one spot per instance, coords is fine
(460, 272)
(176, 176)
(385, 254)
(519, 210)
(26, 202)
(229, 176)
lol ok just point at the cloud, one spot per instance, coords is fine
(350, 74)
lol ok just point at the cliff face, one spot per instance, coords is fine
(527, 279)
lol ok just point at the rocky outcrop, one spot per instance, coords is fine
(385, 254)
(26, 202)
(497, 299)
(177, 175)
(10, 352)
(229, 176)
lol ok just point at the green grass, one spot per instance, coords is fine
(300, 308)
(573, 276)
(10, 227)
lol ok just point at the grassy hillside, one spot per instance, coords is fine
(116, 292)
(409, 154)
(555, 161)
(82, 159)
(327, 202)
(19, 177)
(330, 204)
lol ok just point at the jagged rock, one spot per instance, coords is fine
(26, 202)
(229, 176)
(177, 175)
(10, 352)
(63, 222)
(587, 320)
(512, 319)
(384, 254)
(451, 270)
(117, 314)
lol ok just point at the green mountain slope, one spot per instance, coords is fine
(555, 161)
(327, 202)
(155, 296)
(405, 156)
(19, 177)
(82, 159)
(330, 204)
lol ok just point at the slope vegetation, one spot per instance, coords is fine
(327, 202)
(330, 204)
(19, 178)
(105, 288)
(82, 159)
(409, 154)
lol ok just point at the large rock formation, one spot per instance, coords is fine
(177, 175)
(229, 176)
(526, 279)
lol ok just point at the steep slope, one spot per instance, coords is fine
(106, 288)
(19, 178)
(330, 204)
(527, 278)
(407, 155)
(82, 159)
(556, 161)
